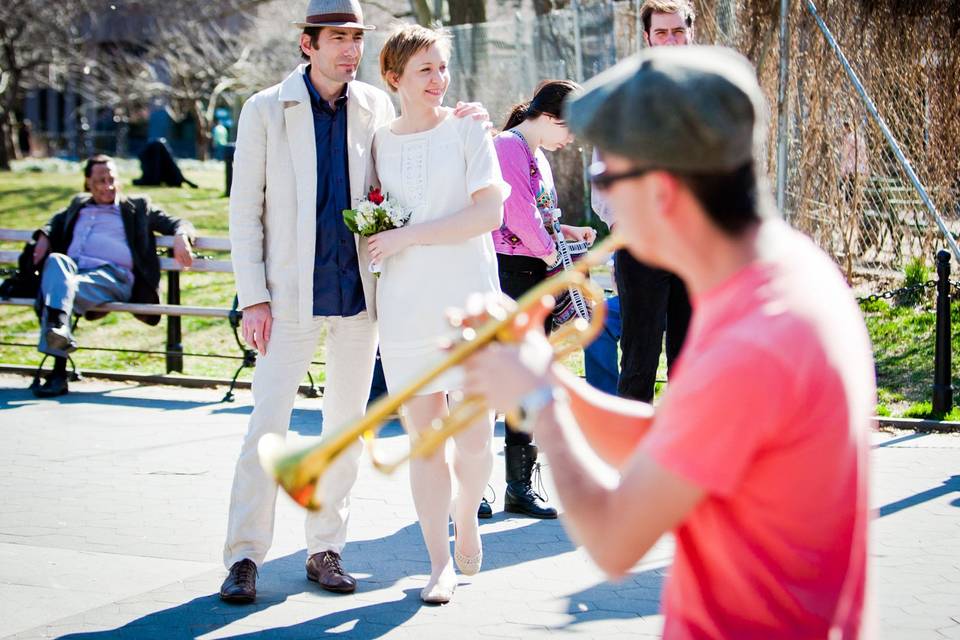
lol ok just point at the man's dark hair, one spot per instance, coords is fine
(314, 33)
(731, 200)
(93, 161)
(683, 7)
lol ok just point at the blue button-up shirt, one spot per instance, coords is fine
(337, 289)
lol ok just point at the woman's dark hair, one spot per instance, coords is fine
(548, 100)
(731, 200)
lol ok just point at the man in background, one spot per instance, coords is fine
(653, 302)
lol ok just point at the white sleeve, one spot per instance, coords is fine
(246, 207)
(483, 167)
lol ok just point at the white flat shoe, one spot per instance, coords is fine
(437, 594)
(468, 565)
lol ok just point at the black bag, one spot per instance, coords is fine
(25, 283)
(159, 168)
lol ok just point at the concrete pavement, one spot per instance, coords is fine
(114, 512)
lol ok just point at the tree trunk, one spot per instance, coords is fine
(7, 141)
(422, 11)
(4, 147)
(467, 11)
(543, 7)
(204, 135)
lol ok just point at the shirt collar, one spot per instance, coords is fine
(318, 102)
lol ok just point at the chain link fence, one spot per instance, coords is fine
(844, 185)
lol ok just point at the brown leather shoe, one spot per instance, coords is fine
(325, 569)
(240, 587)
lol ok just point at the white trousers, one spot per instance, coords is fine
(351, 351)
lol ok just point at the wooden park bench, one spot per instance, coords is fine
(172, 309)
(892, 209)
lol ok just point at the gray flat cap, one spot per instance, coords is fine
(334, 13)
(691, 109)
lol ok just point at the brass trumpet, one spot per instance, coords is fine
(299, 471)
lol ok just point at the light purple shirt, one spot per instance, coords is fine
(99, 238)
(522, 232)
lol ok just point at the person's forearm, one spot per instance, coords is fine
(612, 426)
(593, 512)
(483, 216)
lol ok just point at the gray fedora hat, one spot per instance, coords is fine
(334, 13)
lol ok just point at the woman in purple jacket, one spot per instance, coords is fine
(526, 250)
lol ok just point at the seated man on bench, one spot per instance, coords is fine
(101, 249)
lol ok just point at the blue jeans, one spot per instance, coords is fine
(600, 358)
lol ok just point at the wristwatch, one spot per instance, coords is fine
(530, 405)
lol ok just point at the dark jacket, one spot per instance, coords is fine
(141, 222)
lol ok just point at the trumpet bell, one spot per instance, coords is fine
(276, 459)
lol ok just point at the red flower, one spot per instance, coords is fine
(375, 196)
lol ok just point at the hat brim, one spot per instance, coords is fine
(345, 25)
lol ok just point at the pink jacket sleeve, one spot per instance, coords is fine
(520, 213)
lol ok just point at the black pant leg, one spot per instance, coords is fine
(644, 291)
(678, 319)
(519, 274)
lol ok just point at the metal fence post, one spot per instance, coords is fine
(783, 107)
(228, 153)
(174, 331)
(942, 383)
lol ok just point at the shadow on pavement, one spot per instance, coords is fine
(950, 485)
(638, 594)
(16, 398)
(283, 577)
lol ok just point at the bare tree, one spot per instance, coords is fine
(35, 37)
(467, 11)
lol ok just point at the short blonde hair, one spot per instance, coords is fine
(404, 43)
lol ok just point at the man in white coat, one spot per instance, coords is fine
(302, 156)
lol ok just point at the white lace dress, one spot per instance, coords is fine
(434, 174)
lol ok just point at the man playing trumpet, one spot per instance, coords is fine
(756, 456)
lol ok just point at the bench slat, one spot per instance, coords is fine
(210, 244)
(140, 309)
(17, 235)
(167, 264)
(204, 266)
(202, 242)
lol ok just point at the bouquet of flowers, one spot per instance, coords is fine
(374, 214)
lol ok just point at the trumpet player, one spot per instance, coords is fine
(756, 456)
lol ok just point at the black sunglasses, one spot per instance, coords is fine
(603, 179)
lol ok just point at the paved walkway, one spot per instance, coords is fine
(114, 510)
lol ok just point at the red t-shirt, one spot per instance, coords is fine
(768, 411)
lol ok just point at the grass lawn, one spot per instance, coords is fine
(902, 336)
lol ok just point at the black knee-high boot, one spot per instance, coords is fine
(520, 496)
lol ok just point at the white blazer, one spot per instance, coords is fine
(274, 192)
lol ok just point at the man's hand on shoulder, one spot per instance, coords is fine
(256, 326)
(182, 252)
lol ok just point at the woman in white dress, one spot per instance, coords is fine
(445, 171)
